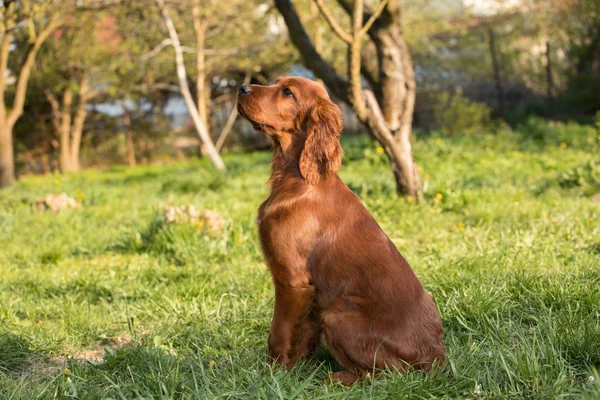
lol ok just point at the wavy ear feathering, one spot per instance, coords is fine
(322, 153)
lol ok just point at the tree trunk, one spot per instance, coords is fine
(200, 29)
(227, 128)
(79, 122)
(398, 149)
(8, 119)
(202, 97)
(7, 163)
(399, 89)
(317, 40)
(388, 116)
(65, 131)
(496, 69)
(387, 109)
(128, 134)
(231, 120)
(549, 80)
(185, 91)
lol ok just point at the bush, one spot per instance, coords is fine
(564, 134)
(364, 148)
(586, 176)
(457, 115)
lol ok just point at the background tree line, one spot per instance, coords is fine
(96, 82)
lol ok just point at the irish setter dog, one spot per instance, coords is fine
(336, 273)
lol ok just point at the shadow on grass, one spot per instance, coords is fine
(155, 372)
(15, 353)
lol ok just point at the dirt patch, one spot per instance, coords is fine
(54, 365)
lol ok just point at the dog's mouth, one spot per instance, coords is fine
(258, 126)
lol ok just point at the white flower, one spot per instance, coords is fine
(477, 389)
(591, 379)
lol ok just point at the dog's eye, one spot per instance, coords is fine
(287, 92)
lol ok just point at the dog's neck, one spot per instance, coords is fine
(285, 163)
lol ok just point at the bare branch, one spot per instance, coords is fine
(193, 50)
(7, 35)
(25, 71)
(231, 120)
(185, 91)
(346, 37)
(79, 119)
(55, 110)
(382, 132)
(157, 86)
(96, 4)
(373, 17)
(156, 50)
(369, 67)
(30, 24)
(347, 5)
(354, 66)
(4, 50)
(310, 55)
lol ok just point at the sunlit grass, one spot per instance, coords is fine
(509, 253)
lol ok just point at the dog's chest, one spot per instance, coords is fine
(269, 223)
(286, 230)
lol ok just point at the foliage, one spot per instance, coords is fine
(586, 176)
(455, 114)
(563, 134)
(513, 270)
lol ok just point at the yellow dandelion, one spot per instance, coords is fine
(410, 198)
(432, 210)
(199, 223)
(67, 371)
(379, 149)
(460, 225)
(563, 145)
(420, 169)
(212, 363)
(438, 141)
(483, 160)
(576, 218)
(427, 176)
(40, 322)
(438, 197)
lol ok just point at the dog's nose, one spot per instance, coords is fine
(244, 90)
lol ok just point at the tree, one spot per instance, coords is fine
(185, 91)
(222, 51)
(75, 74)
(386, 106)
(40, 18)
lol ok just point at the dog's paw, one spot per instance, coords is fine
(343, 378)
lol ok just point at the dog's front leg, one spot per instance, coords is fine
(292, 307)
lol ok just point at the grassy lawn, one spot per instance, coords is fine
(109, 302)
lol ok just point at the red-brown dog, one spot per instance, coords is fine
(335, 271)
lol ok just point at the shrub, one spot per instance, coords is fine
(551, 133)
(586, 176)
(457, 115)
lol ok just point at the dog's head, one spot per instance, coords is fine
(300, 108)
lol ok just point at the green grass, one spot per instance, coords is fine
(506, 238)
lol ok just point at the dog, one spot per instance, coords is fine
(337, 275)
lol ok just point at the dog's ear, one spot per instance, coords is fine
(322, 153)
